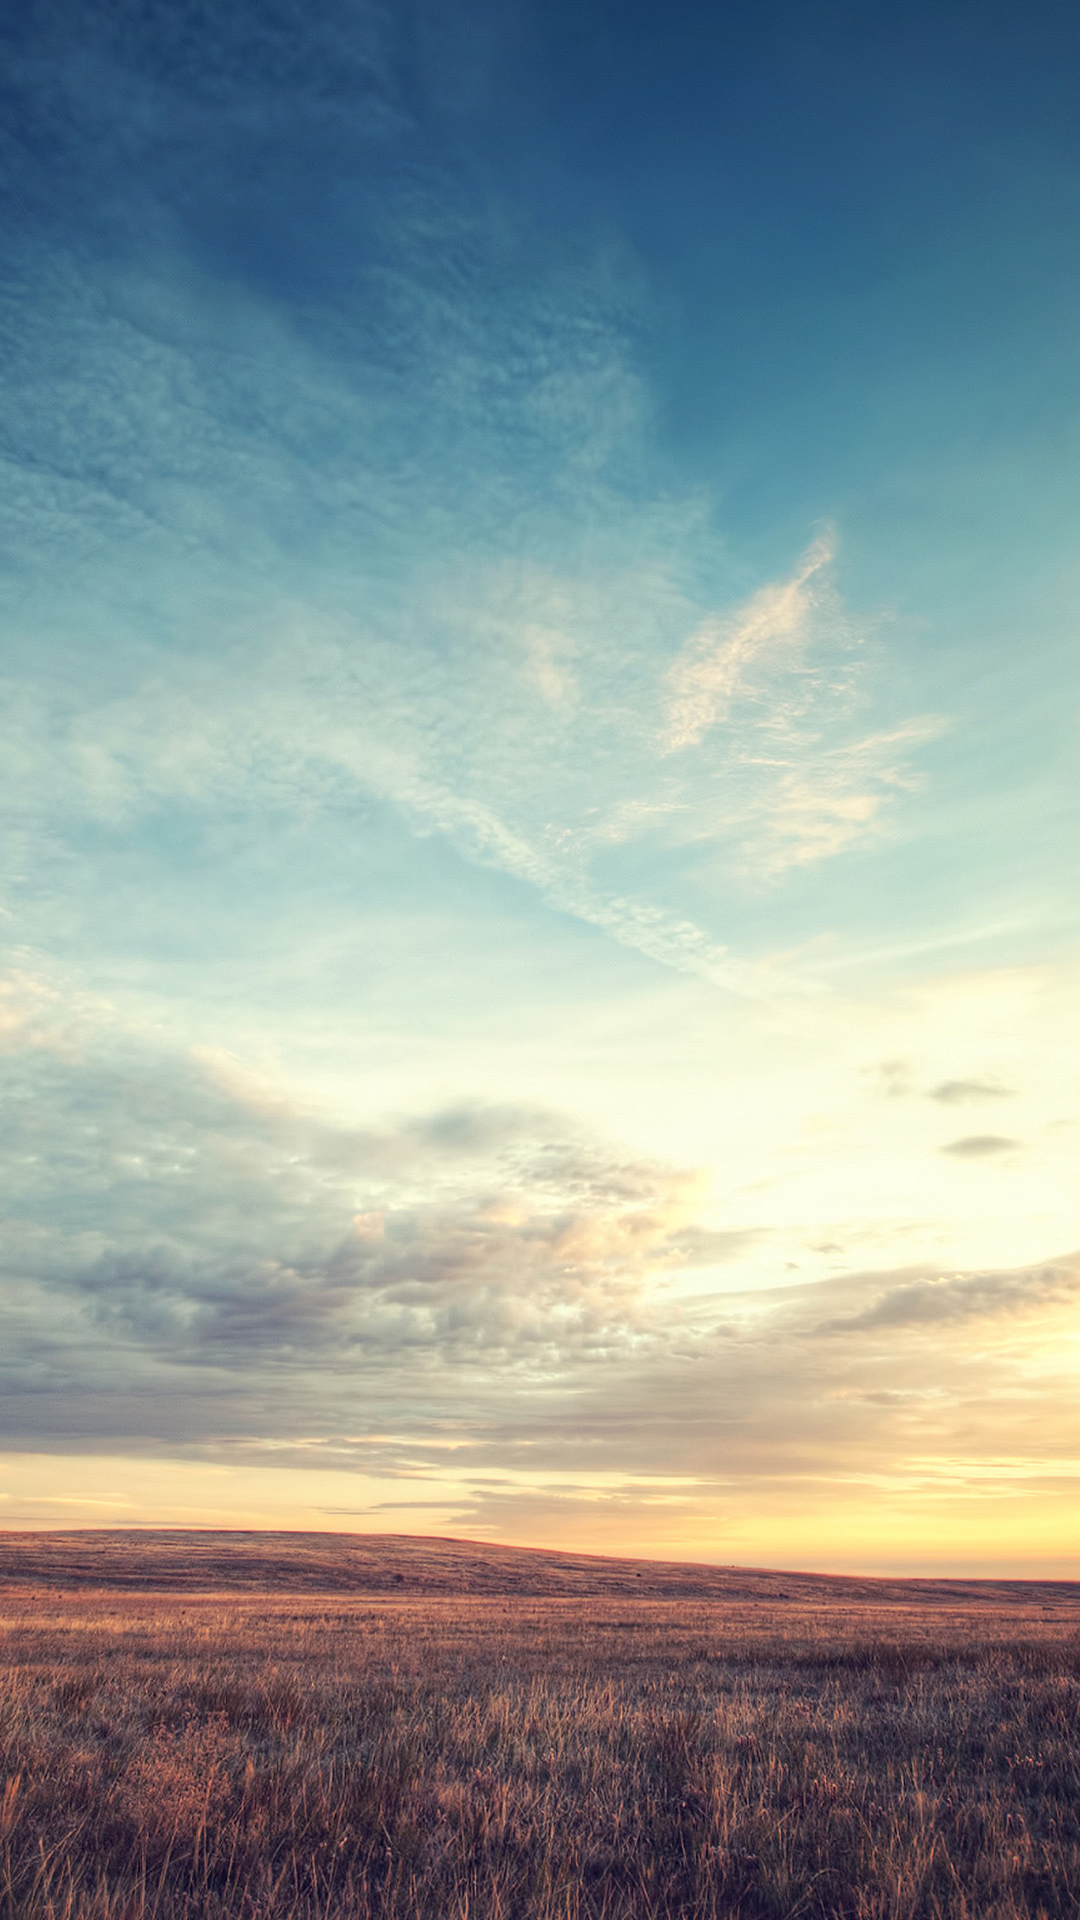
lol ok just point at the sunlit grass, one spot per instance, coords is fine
(459, 1759)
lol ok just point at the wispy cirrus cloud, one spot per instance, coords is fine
(320, 611)
(717, 662)
(767, 695)
(821, 799)
(305, 726)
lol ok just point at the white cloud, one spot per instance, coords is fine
(548, 653)
(714, 668)
(819, 800)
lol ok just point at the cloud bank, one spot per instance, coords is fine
(200, 1268)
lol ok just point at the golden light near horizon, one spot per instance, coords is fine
(538, 995)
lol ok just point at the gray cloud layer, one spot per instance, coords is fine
(191, 1264)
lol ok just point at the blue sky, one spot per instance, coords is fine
(539, 607)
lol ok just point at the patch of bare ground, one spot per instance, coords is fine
(442, 1755)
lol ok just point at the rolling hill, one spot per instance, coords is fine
(213, 1561)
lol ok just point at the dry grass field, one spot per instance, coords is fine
(181, 1737)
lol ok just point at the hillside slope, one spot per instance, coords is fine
(211, 1561)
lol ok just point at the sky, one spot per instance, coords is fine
(539, 602)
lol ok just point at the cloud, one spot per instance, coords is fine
(954, 1093)
(509, 707)
(36, 1013)
(202, 1266)
(713, 668)
(790, 780)
(205, 1270)
(180, 1224)
(471, 1278)
(552, 865)
(547, 655)
(980, 1146)
(822, 802)
(941, 1301)
(897, 1078)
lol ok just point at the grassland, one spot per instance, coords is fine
(779, 1748)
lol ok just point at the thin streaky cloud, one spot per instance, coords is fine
(981, 1146)
(712, 669)
(820, 803)
(955, 1093)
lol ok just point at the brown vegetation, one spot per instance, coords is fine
(419, 1756)
(217, 1561)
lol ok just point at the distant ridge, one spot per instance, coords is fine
(211, 1561)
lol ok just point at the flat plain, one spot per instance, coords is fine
(211, 1726)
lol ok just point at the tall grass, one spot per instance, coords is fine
(487, 1759)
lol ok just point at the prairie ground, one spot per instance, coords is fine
(514, 1757)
